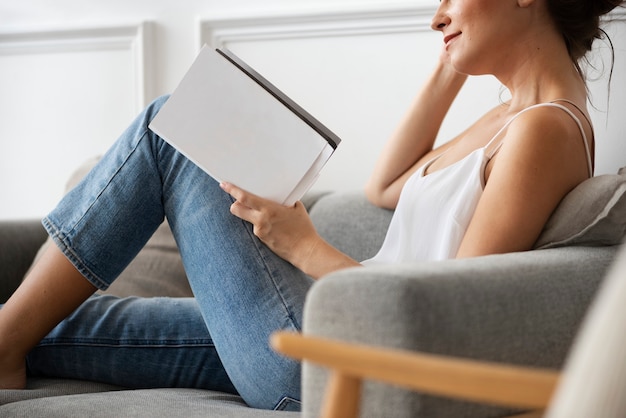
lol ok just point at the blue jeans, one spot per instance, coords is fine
(243, 291)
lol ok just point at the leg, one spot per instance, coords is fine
(54, 275)
(135, 343)
(244, 291)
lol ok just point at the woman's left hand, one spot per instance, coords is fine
(286, 230)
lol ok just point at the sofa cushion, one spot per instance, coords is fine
(593, 214)
(42, 387)
(108, 402)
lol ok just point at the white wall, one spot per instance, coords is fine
(73, 73)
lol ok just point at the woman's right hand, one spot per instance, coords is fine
(289, 232)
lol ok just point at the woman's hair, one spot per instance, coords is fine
(579, 22)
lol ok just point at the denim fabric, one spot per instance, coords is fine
(243, 291)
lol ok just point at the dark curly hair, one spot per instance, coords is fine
(579, 22)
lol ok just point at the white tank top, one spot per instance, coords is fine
(434, 210)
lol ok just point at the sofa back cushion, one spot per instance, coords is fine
(593, 214)
(349, 222)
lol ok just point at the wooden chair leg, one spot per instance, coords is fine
(342, 397)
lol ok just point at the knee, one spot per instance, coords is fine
(155, 106)
(160, 101)
(150, 112)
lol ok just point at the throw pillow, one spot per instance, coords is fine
(593, 214)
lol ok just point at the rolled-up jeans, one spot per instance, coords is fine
(242, 291)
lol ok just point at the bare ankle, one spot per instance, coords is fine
(12, 371)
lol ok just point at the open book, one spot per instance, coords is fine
(241, 129)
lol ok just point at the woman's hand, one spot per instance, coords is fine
(284, 229)
(287, 231)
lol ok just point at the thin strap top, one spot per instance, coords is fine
(435, 209)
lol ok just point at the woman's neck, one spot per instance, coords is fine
(543, 72)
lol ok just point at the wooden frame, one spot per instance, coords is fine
(514, 386)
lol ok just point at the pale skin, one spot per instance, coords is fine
(542, 158)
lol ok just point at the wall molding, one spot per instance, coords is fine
(135, 38)
(219, 31)
(378, 19)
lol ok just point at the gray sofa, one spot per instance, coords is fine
(521, 308)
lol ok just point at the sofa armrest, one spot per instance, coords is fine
(19, 243)
(520, 308)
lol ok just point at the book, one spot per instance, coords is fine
(241, 129)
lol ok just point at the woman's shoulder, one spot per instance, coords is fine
(548, 138)
(556, 123)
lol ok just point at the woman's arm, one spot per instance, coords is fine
(415, 136)
(289, 232)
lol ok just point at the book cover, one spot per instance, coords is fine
(241, 129)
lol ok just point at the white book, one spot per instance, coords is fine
(241, 129)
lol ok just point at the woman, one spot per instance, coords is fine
(489, 190)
